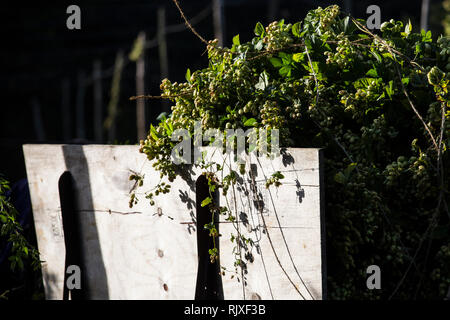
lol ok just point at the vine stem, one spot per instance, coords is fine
(284, 238)
(147, 96)
(258, 239)
(212, 212)
(237, 228)
(440, 177)
(239, 239)
(253, 185)
(186, 21)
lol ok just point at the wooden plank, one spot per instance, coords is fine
(162, 42)
(162, 51)
(66, 112)
(291, 217)
(79, 107)
(424, 13)
(140, 90)
(43, 174)
(113, 105)
(98, 101)
(219, 21)
(140, 249)
(37, 120)
(151, 252)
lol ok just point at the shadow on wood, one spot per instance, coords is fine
(79, 180)
(72, 239)
(209, 279)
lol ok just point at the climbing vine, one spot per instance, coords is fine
(11, 234)
(377, 102)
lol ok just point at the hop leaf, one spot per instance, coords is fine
(435, 76)
(206, 201)
(259, 29)
(296, 28)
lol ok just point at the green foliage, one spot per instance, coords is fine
(274, 179)
(378, 104)
(11, 231)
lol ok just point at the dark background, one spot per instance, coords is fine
(38, 52)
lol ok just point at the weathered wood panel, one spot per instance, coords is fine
(151, 252)
(290, 216)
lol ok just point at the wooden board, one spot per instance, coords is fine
(151, 252)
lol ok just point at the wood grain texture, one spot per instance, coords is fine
(151, 252)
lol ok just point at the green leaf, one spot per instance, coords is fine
(297, 57)
(259, 29)
(206, 202)
(390, 89)
(188, 75)
(372, 73)
(340, 178)
(296, 28)
(236, 41)
(168, 128)
(349, 169)
(170, 125)
(259, 45)
(383, 95)
(161, 117)
(377, 56)
(250, 122)
(20, 263)
(263, 81)
(153, 132)
(278, 174)
(418, 48)
(408, 28)
(346, 21)
(285, 71)
(315, 68)
(276, 62)
(286, 58)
